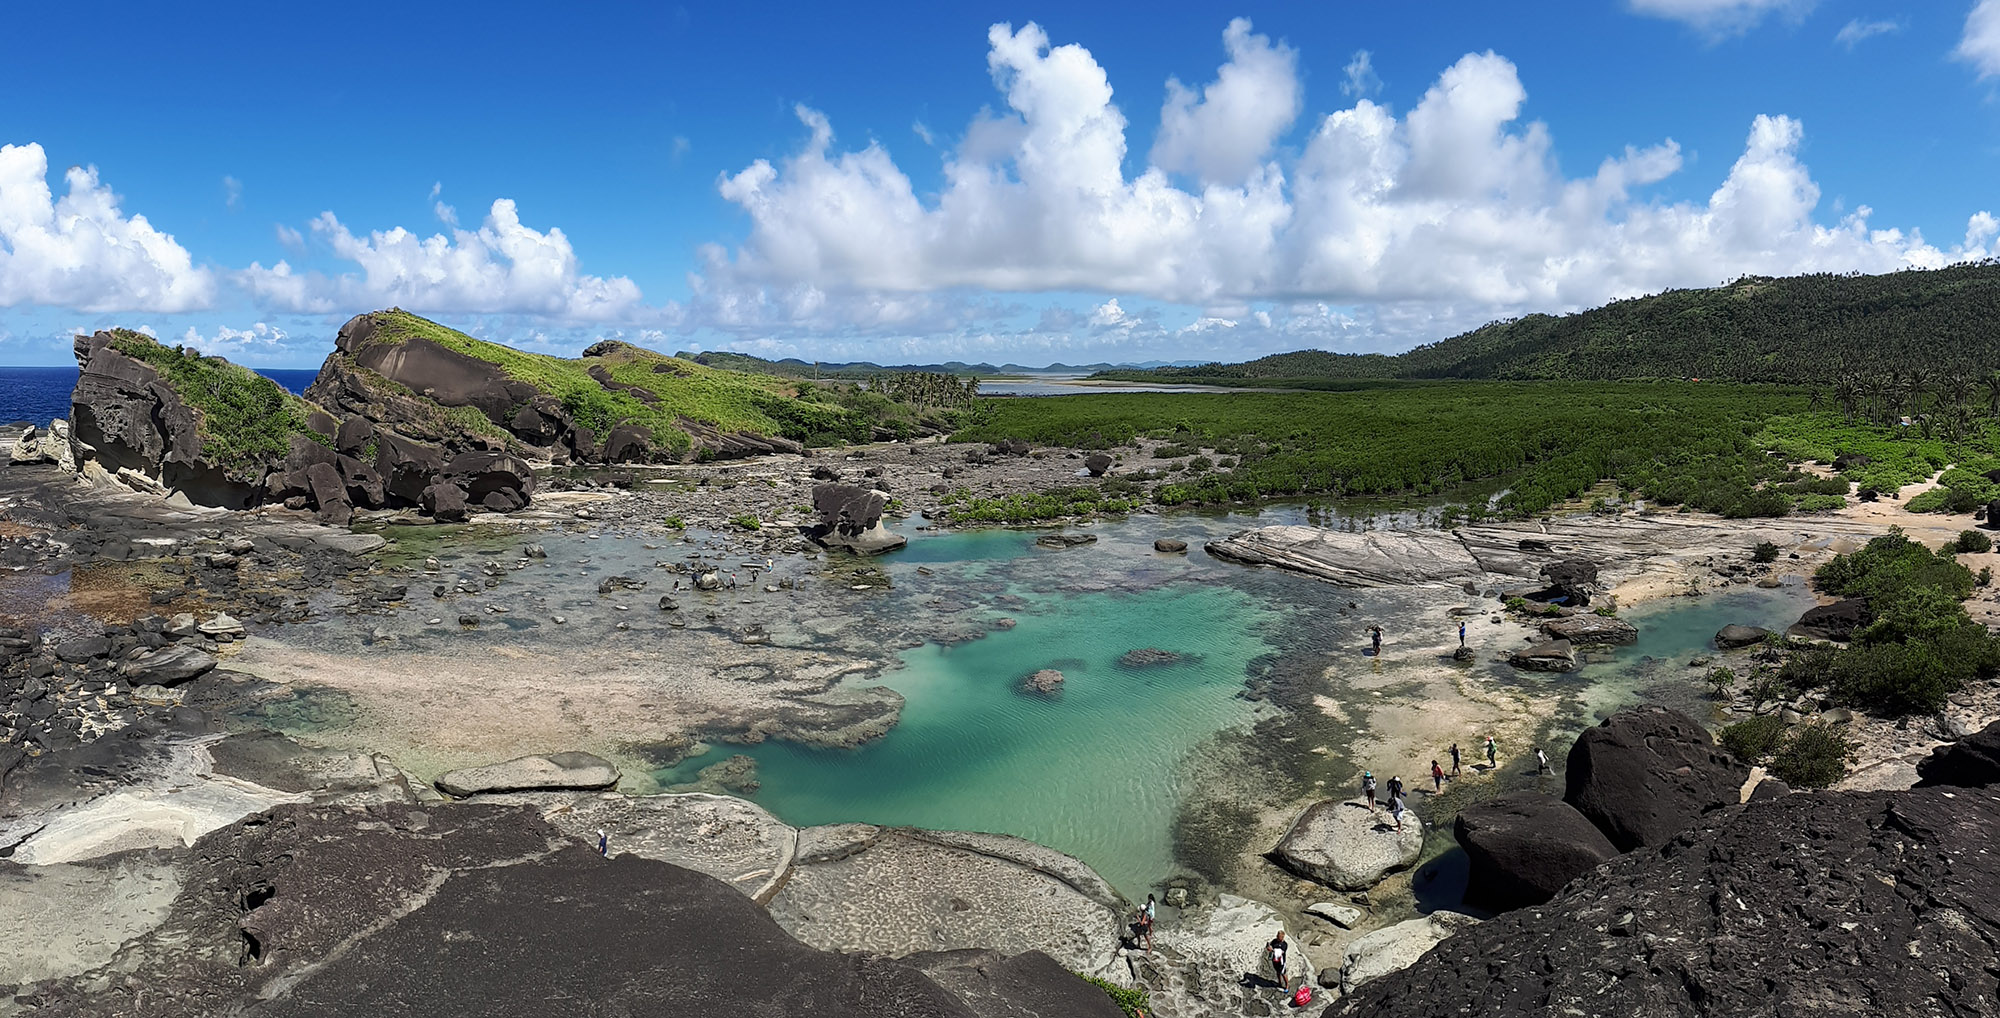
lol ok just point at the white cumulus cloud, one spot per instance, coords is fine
(1720, 17)
(1222, 135)
(1857, 31)
(80, 251)
(502, 267)
(1361, 80)
(1980, 46)
(1451, 214)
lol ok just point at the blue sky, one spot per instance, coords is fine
(978, 181)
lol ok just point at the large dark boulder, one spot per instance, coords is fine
(445, 502)
(1097, 463)
(455, 910)
(1735, 637)
(1971, 762)
(1836, 621)
(1570, 581)
(125, 416)
(628, 443)
(1648, 772)
(406, 467)
(1523, 848)
(498, 481)
(1884, 904)
(851, 518)
(432, 371)
(329, 494)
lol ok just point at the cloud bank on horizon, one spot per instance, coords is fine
(1375, 229)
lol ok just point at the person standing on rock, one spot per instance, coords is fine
(1396, 809)
(1368, 788)
(1395, 787)
(604, 843)
(1492, 760)
(1454, 759)
(1541, 761)
(1375, 636)
(1461, 632)
(1437, 778)
(1277, 950)
(1147, 914)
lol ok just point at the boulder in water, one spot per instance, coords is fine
(1591, 628)
(1836, 621)
(1735, 637)
(1146, 657)
(1551, 656)
(1046, 682)
(1170, 545)
(851, 518)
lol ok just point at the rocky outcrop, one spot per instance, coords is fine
(1836, 621)
(1591, 629)
(1524, 847)
(1345, 846)
(1170, 546)
(1646, 773)
(1571, 581)
(851, 518)
(532, 773)
(128, 422)
(1097, 463)
(1065, 540)
(1971, 762)
(1735, 637)
(1548, 656)
(1148, 657)
(1046, 682)
(1883, 903)
(406, 910)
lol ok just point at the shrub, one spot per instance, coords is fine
(674, 523)
(1720, 682)
(1132, 1002)
(747, 522)
(1815, 755)
(1764, 552)
(1972, 542)
(1755, 739)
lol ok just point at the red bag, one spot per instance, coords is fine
(1302, 996)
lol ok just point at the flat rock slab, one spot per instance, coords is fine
(1552, 656)
(1394, 948)
(168, 666)
(730, 839)
(557, 771)
(1373, 559)
(1343, 845)
(1343, 916)
(1591, 628)
(904, 891)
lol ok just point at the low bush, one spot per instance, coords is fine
(1764, 552)
(1753, 740)
(1814, 755)
(1972, 542)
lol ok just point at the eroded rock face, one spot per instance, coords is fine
(1347, 847)
(1550, 656)
(129, 422)
(851, 518)
(1524, 848)
(1648, 772)
(1571, 580)
(1394, 948)
(1884, 903)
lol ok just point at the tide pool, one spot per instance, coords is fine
(1094, 771)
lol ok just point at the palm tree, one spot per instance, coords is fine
(1992, 382)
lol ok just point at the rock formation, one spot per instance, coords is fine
(1549, 656)
(1836, 621)
(1396, 947)
(1883, 903)
(1591, 628)
(1646, 773)
(1571, 581)
(531, 773)
(1046, 682)
(1345, 846)
(1735, 637)
(851, 518)
(1524, 847)
(1971, 762)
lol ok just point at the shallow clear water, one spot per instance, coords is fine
(1093, 771)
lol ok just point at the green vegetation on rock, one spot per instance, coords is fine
(244, 419)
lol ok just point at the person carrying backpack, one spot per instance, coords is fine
(1368, 788)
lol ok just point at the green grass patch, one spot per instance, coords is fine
(243, 418)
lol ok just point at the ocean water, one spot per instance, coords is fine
(39, 395)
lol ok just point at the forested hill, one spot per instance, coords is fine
(1814, 328)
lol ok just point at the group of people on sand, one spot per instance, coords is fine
(1393, 800)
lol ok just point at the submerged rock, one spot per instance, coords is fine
(1734, 637)
(1170, 545)
(1065, 540)
(1046, 682)
(555, 771)
(1347, 847)
(1146, 657)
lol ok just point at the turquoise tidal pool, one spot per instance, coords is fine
(1096, 770)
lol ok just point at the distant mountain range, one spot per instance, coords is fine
(1796, 329)
(795, 368)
